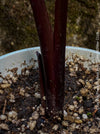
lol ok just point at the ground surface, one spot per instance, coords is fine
(21, 111)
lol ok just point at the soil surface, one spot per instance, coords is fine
(20, 104)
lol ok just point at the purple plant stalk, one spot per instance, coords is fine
(59, 49)
(52, 58)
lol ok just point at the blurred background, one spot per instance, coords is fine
(18, 30)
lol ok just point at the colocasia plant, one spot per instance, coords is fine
(52, 58)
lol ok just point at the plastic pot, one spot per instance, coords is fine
(27, 57)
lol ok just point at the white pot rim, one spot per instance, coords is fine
(35, 48)
(17, 59)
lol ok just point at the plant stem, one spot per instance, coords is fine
(47, 49)
(59, 49)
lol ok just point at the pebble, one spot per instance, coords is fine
(96, 87)
(75, 106)
(22, 92)
(81, 99)
(37, 108)
(69, 118)
(44, 97)
(75, 102)
(96, 83)
(84, 116)
(89, 123)
(92, 130)
(82, 81)
(55, 127)
(78, 121)
(87, 72)
(12, 114)
(78, 118)
(99, 124)
(71, 70)
(36, 87)
(72, 74)
(5, 82)
(32, 125)
(13, 121)
(65, 113)
(88, 85)
(73, 126)
(72, 63)
(4, 126)
(12, 98)
(37, 95)
(10, 81)
(5, 86)
(91, 80)
(3, 117)
(23, 128)
(65, 123)
(84, 92)
(1, 91)
(30, 118)
(95, 106)
(23, 119)
(40, 132)
(35, 115)
(77, 127)
(14, 79)
(75, 114)
(86, 129)
(97, 100)
(71, 107)
(42, 111)
(27, 72)
(27, 95)
(33, 108)
(76, 68)
(81, 110)
(65, 131)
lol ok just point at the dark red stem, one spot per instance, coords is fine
(47, 48)
(59, 47)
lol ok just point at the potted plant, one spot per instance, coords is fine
(18, 92)
(52, 57)
(26, 108)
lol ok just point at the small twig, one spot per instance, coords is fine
(94, 112)
(4, 108)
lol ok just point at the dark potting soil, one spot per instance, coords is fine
(20, 105)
